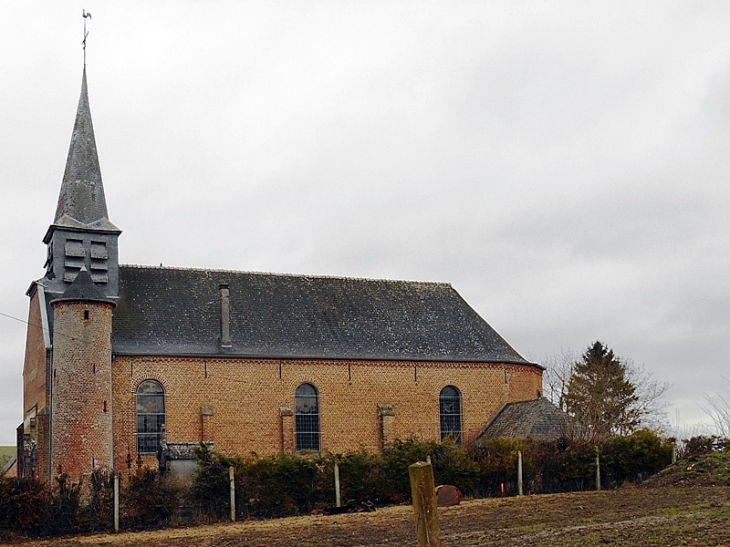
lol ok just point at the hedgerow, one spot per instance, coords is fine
(290, 484)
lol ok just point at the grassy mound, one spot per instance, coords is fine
(712, 469)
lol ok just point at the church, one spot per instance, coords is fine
(119, 357)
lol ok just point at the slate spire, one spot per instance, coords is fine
(81, 200)
(81, 236)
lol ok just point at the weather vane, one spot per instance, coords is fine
(86, 16)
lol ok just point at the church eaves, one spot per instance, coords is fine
(81, 202)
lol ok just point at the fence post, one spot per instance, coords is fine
(598, 470)
(116, 501)
(519, 472)
(338, 500)
(423, 492)
(233, 493)
(674, 452)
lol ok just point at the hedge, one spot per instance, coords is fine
(287, 484)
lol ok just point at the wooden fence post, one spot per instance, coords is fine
(425, 511)
(519, 472)
(233, 493)
(338, 500)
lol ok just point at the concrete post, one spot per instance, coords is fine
(519, 472)
(338, 500)
(424, 505)
(233, 493)
(598, 471)
(116, 501)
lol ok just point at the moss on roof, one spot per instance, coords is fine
(177, 311)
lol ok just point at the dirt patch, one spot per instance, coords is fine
(644, 516)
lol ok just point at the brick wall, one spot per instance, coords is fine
(35, 366)
(81, 399)
(246, 395)
(35, 387)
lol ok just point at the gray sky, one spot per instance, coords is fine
(563, 165)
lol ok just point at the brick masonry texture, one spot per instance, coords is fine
(82, 382)
(35, 387)
(36, 362)
(246, 396)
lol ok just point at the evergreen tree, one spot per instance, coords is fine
(601, 396)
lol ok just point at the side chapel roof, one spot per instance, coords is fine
(177, 311)
(537, 418)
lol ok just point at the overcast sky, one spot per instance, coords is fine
(564, 165)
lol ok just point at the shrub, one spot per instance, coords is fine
(700, 445)
(210, 489)
(396, 486)
(97, 513)
(149, 500)
(361, 477)
(63, 508)
(22, 503)
(636, 457)
(453, 465)
(279, 485)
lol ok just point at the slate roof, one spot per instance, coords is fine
(538, 418)
(169, 311)
(83, 289)
(81, 201)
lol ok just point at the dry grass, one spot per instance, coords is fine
(638, 516)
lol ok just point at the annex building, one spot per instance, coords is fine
(118, 356)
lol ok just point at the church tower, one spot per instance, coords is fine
(81, 284)
(81, 234)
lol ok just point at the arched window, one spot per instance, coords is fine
(450, 411)
(150, 416)
(306, 417)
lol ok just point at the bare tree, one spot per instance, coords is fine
(651, 406)
(556, 379)
(718, 409)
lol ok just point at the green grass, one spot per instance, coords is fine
(715, 465)
(6, 452)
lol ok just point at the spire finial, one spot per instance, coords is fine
(86, 16)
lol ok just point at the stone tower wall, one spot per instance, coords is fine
(81, 399)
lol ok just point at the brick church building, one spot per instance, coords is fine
(119, 356)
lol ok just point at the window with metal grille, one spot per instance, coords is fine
(150, 416)
(450, 411)
(306, 417)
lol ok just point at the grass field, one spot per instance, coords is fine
(6, 452)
